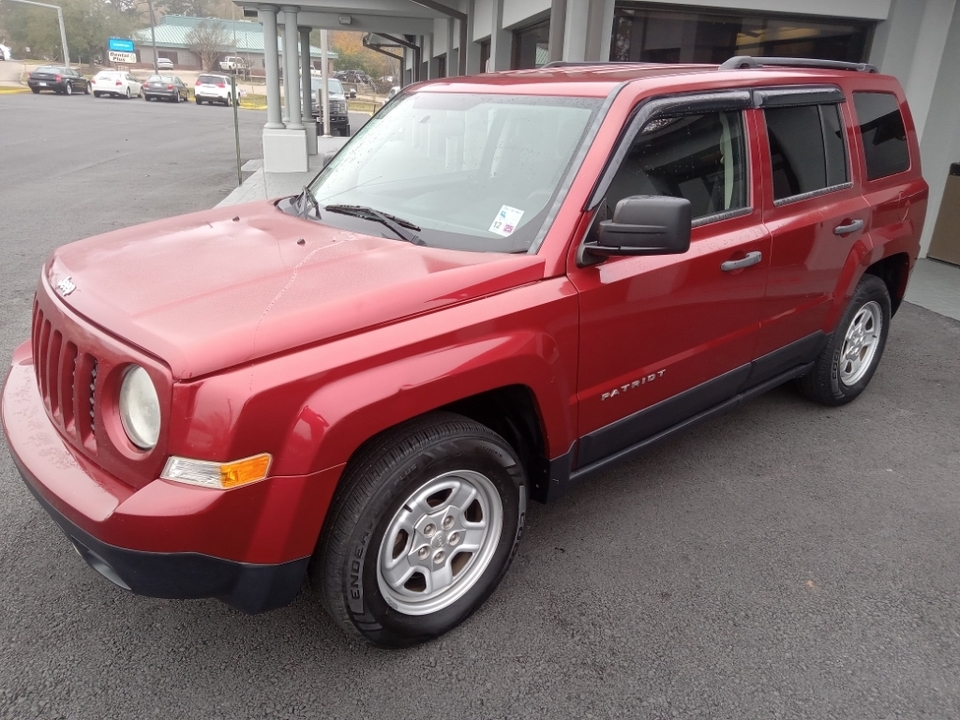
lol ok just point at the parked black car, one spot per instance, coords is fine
(58, 79)
(165, 87)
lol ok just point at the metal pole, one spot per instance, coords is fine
(324, 100)
(153, 37)
(236, 124)
(63, 38)
(63, 31)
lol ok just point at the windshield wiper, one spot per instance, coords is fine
(391, 221)
(308, 201)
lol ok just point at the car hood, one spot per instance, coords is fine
(211, 290)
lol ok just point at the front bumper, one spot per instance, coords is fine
(251, 588)
(248, 547)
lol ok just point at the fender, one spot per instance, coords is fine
(867, 251)
(359, 405)
(862, 255)
(312, 408)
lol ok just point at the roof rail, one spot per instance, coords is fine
(570, 63)
(744, 62)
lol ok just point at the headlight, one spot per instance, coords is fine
(140, 408)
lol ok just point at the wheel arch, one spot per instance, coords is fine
(868, 256)
(894, 271)
(513, 413)
(517, 394)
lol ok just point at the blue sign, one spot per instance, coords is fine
(120, 45)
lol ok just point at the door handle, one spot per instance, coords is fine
(847, 229)
(752, 258)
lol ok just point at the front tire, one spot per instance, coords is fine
(850, 359)
(424, 525)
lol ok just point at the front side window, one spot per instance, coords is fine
(473, 172)
(807, 149)
(698, 157)
(884, 137)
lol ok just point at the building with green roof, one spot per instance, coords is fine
(244, 39)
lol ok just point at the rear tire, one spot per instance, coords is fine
(850, 359)
(128, 93)
(199, 101)
(86, 89)
(423, 527)
(35, 91)
(96, 94)
(68, 89)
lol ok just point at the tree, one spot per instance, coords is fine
(89, 24)
(208, 41)
(353, 55)
(190, 8)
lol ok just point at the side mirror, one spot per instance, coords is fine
(645, 225)
(327, 157)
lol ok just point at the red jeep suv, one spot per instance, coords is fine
(501, 285)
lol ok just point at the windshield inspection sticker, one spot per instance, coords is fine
(506, 221)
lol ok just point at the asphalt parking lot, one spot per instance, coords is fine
(784, 561)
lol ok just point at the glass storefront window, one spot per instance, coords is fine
(641, 34)
(531, 47)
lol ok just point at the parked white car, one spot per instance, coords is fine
(212, 89)
(164, 64)
(5, 53)
(117, 83)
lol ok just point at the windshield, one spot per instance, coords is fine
(473, 172)
(332, 83)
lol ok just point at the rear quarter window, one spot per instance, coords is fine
(884, 136)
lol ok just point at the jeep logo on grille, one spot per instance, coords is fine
(66, 286)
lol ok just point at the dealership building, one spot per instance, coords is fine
(918, 41)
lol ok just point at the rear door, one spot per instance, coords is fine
(815, 212)
(665, 337)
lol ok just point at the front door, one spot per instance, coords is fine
(673, 331)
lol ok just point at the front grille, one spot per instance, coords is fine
(66, 376)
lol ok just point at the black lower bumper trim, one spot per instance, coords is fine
(248, 587)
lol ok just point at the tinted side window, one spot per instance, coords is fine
(884, 138)
(807, 149)
(697, 157)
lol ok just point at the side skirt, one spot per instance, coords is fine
(564, 475)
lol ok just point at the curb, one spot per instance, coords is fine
(13, 90)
